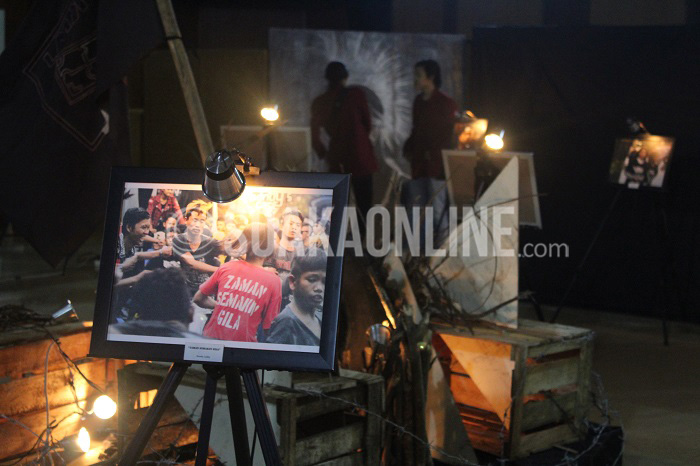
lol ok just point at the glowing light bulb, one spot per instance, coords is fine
(270, 113)
(493, 141)
(104, 407)
(84, 440)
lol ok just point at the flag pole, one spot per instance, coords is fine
(184, 73)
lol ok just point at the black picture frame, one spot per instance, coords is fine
(253, 358)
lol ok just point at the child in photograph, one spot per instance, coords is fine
(299, 323)
(247, 296)
(287, 248)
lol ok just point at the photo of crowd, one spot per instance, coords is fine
(250, 273)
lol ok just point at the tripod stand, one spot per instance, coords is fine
(235, 402)
(666, 278)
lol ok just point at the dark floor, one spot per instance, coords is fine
(654, 388)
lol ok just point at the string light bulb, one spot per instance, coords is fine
(84, 440)
(104, 407)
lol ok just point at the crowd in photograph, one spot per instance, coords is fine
(201, 271)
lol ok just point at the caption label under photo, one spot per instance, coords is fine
(204, 352)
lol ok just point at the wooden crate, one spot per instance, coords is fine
(313, 430)
(22, 373)
(521, 390)
(327, 431)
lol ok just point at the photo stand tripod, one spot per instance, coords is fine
(234, 393)
(667, 278)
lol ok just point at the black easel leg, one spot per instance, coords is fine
(262, 418)
(237, 413)
(150, 421)
(586, 254)
(213, 374)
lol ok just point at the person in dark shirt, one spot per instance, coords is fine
(433, 124)
(344, 114)
(196, 251)
(299, 323)
(160, 307)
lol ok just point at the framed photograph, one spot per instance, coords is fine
(466, 178)
(253, 283)
(641, 162)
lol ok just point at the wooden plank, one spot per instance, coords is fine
(491, 334)
(545, 412)
(354, 459)
(16, 440)
(328, 445)
(21, 359)
(583, 399)
(535, 352)
(550, 375)
(13, 338)
(549, 331)
(544, 439)
(186, 77)
(287, 414)
(519, 355)
(27, 394)
(310, 406)
(373, 440)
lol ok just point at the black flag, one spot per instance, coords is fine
(63, 116)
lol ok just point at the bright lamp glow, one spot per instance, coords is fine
(84, 440)
(270, 113)
(104, 407)
(494, 141)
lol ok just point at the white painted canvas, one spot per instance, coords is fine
(483, 275)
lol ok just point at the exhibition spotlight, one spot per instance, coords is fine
(494, 141)
(104, 407)
(270, 114)
(223, 182)
(635, 126)
(83, 440)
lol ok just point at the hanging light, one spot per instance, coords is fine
(83, 440)
(104, 407)
(494, 141)
(270, 114)
(222, 180)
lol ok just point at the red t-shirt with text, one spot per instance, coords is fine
(245, 296)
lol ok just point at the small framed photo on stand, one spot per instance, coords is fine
(642, 161)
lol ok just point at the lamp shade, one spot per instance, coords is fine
(222, 180)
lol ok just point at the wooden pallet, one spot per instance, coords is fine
(22, 376)
(544, 373)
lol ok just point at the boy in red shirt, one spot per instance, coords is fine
(248, 297)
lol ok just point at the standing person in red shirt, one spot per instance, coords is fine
(343, 112)
(248, 297)
(433, 124)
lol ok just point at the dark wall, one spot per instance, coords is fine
(565, 94)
